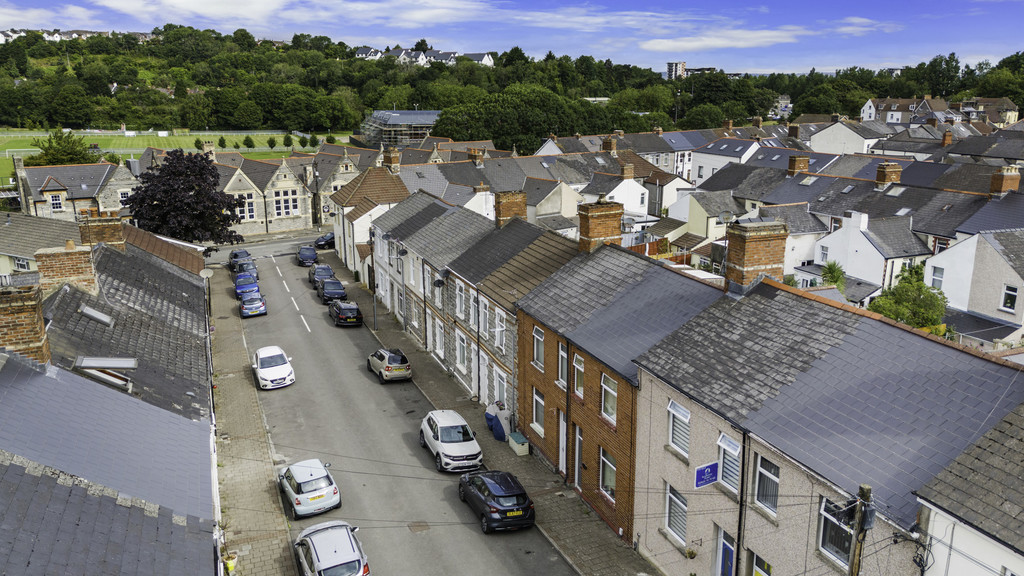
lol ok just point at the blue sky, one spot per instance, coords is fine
(791, 36)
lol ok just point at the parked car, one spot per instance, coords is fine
(245, 284)
(389, 364)
(330, 549)
(325, 241)
(252, 304)
(272, 368)
(247, 266)
(319, 273)
(450, 440)
(498, 499)
(306, 256)
(235, 256)
(331, 289)
(345, 313)
(309, 488)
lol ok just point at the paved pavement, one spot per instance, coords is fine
(256, 524)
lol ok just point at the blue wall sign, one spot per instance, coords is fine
(707, 474)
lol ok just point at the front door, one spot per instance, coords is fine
(562, 433)
(726, 553)
(577, 452)
(428, 328)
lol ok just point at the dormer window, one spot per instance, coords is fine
(912, 106)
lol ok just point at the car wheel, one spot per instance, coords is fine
(423, 442)
(368, 367)
(462, 492)
(437, 462)
(380, 377)
(484, 527)
(336, 322)
(295, 514)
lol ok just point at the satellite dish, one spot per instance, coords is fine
(403, 252)
(725, 216)
(438, 283)
(206, 273)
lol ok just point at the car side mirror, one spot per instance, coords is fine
(435, 436)
(473, 434)
(327, 464)
(253, 366)
(289, 358)
(355, 529)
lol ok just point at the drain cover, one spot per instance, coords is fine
(418, 526)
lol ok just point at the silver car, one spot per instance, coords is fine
(309, 488)
(389, 364)
(330, 548)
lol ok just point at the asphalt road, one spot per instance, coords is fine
(410, 518)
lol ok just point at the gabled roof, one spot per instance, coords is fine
(159, 318)
(665, 226)
(494, 249)
(893, 238)
(531, 266)
(615, 304)
(377, 184)
(601, 184)
(775, 157)
(1010, 245)
(714, 202)
(188, 260)
(997, 214)
(446, 237)
(78, 180)
(538, 189)
(21, 235)
(80, 427)
(744, 181)
(853, 397)
(729, 147)
(796, 217)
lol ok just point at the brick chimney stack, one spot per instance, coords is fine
(509, 205)
(1005, 180)
(727, 124)
(757, 122)
(887, 173)
(658, 130)
(22, 329)
(754, 250)
(211, 149)
(798, 164)
(794, 131)
(96, 227)
(932, 121)
(947, 138)
(68, 265)
(610, 145)
(600, 223)
(836, 117)
(476, 155)
(627, 172)
(392, 160)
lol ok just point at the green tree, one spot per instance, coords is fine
(303, 141)
(198, 143)
(911, 301)
(236, 145)
(287, 142)
(179, 198)
(422, 46)
(71, 106)
(271, 142)
(331, 139)
(832, 274)
(248, 142)
(222, 143)
(61, 148)
(313, 141)
(248, 116)
(703, 116)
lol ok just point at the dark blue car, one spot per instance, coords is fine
(497, 499)
(331, 289)
(245, 284)
(306, 256)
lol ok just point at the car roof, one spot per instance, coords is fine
(501, 483)
(268, 350)
(239, 252)
(308, 470)
(241, 278)
(306, 246)
(252, 296)
(345, 304)
(333, 543)
(447, 417)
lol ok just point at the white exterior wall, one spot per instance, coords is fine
(851, 249)
(704, 165)
(957, 263)
(957, 548)
(482, 203)
(839, 139)
(867, 112)
(799, 248)
(680, 209)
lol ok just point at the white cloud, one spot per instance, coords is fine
(857, 26)
(64, 16)
(724, 39)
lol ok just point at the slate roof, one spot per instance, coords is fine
(377, 184)
(996, 214)
(684, 140)
(688, 241)
(773, 157)
(538, 189)
(615, 304)
(494, 249)
(855, 289)
(21, 235)
(65, 421)
(261, 173)
(796, 217)
(731, 147)
(159, 318)
(974, 325)
(893, 238)
(601, 184)
(446, 237)
(665, 226)
(744, 181)
(982, 486)
(79, 180)
(856, 399)
(527, 269)
(714, 202)
(1010, 245)
(557, 222)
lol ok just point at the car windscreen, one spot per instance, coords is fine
(513, 500)
(308, 252)
(346, 569)
(333, 285)
(323, 271)
(452, 434)
(241, 254)
(314, 485)
(273, 360)
(244, 279)
(252, 300)
(397, 359)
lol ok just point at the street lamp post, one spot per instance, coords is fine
(317, 211)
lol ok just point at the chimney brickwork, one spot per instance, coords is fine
(68, 265)
(22, 329)
(600, 223)
(1005, 180)
(755, 249)
(727, 124)
(508, 205)
(794, 131)
(947, 138)
(628, 172)
(757, 122)
(392, 160)
(106, 227)
(610, 145)
(888, 173)
(798, 164)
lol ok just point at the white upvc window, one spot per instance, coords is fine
(499, 330)
(286, 202)
(500, 385)
(460, 298)
(438, 290)
(675, 514)
(835, 536)
(56, 203)
(577, 364)
(471, 305)
(607, 480)
(21, 264)
(609, 397)
(761, 567)
(563, 365)
(729, 462)
(679, 428)
(485, 318)
(1009, 298)
(767, 489)
(538, 412)
(538, 348)
(461, 351)
(937, 274)
(824, 254)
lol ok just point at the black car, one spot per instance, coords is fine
(498, 499)
(247, 266)
(306, 256)
(325, 241)
(331, 289)
(345, 313)
(236, 256)
(319, 273)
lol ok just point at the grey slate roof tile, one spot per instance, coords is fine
(797, 218)
(21, 235)
(447, 236)
(1010, 245)
(893, 238)
(996, 214)
(495, 249)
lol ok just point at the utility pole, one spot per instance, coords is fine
(863, 520)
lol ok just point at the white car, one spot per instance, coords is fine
(272, 368)
(330, 548)
(309, 488)
(448, 437)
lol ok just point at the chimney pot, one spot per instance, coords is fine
(1007, 178)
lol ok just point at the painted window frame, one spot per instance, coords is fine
(538, 348)
(679, 421)
(609, 391)
(537, 417)
(563, 365)
(578, 371)
(672, 497)
(499, 330)
(829, 525)
(607, 460)
(767, 484)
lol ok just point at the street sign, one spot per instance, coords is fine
(706, 474)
